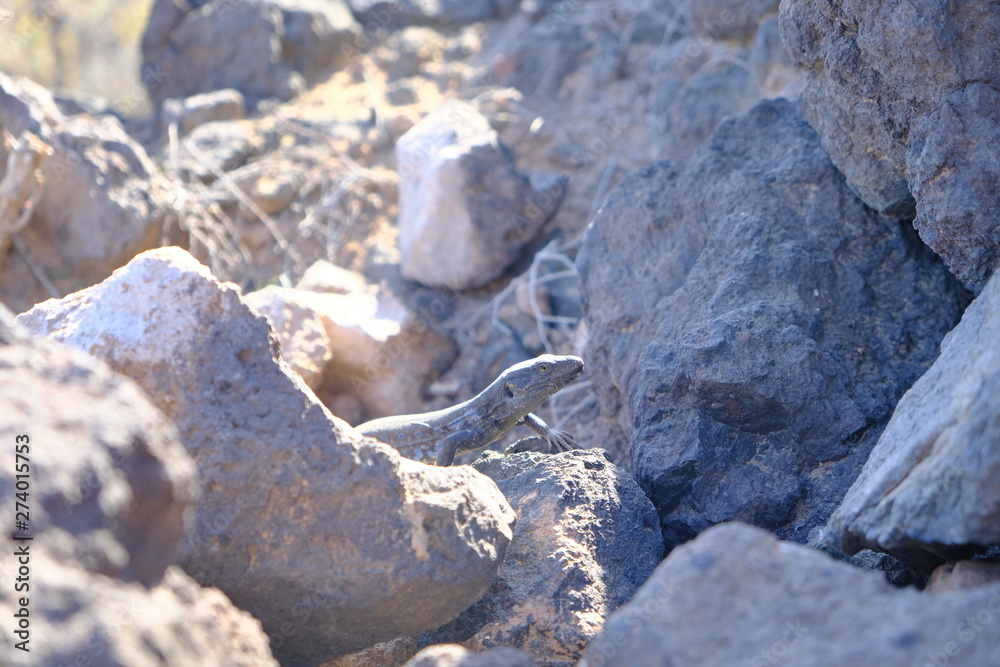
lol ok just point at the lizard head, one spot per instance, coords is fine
(533, 381)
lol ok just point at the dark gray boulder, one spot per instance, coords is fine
(904, 96)
(752, 325)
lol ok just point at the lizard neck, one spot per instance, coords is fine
(495, 403)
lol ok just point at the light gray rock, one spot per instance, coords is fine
(931, 487)
(752, 325)
(327, 278)
(263, 48)
(738, 596)
(102, 200)
(586, 538)
(305, 343)
(333, 541)
(904, 97)
(465, 211)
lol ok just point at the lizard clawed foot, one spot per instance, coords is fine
(560, 441)
(551, 443)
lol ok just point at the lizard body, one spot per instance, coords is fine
(480, 421)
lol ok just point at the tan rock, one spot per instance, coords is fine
(963, 575)
(346, 337)
(301, 331)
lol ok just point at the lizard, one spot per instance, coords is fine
(508, 402)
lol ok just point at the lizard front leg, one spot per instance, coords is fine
(454, 443)
(559, 441)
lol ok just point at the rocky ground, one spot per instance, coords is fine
(767, 228)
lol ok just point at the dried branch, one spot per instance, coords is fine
(21, 185)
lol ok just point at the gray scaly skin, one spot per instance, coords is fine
(482, 420)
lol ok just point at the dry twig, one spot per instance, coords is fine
(21, 185)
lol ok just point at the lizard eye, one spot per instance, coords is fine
(543, 368)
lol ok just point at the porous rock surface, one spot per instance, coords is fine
(104, 465)
(586, 538)
(86, 618)
(333, 541)
(904, 97)
(752, 325)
